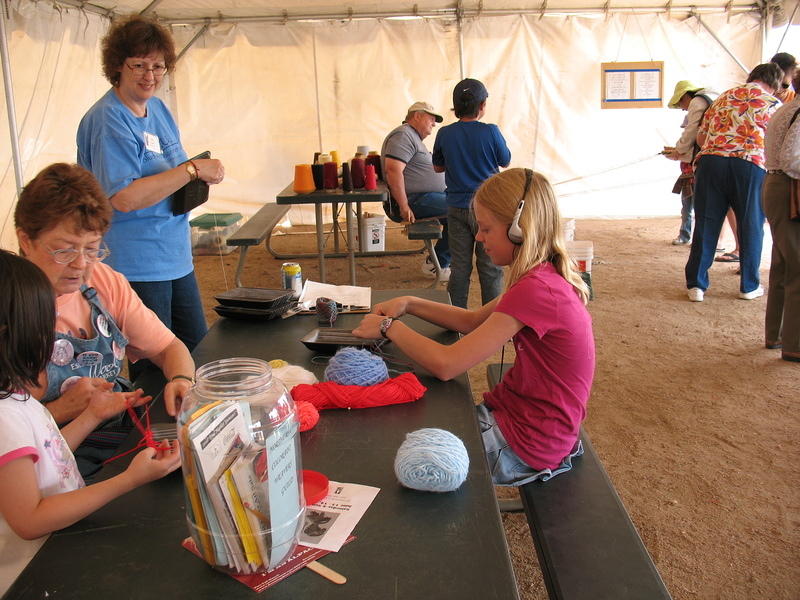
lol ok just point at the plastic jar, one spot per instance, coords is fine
(240, 453)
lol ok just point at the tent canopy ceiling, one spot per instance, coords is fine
(175, 11)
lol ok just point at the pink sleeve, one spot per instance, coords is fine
(147, 335)
(531, 301)
(19, 453)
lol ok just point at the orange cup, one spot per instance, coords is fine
(303, 179)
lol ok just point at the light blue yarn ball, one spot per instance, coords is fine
(355, 366)
(431, 460)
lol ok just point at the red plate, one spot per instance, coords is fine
(315, 486)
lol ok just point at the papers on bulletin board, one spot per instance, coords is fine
(346, 295)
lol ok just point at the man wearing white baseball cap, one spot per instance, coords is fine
(413, 184)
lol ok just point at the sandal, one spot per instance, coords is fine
(727, 257)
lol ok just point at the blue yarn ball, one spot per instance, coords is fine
(355, 366)
(431, 460)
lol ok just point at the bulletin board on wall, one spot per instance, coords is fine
(632, 84)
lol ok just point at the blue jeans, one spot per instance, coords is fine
(462, 244)
(433, 204)
(687, 207)
(505, 466)
(722, 182)
(177, 303)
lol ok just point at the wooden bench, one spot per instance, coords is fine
(258, 228)
(587, 545)
(427, 230)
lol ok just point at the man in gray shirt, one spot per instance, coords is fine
(413, 184)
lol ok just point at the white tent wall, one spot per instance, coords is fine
(248, 92)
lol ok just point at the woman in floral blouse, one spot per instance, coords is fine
(729, 171)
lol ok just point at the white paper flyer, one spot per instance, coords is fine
(330, 521)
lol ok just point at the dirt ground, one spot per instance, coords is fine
(695, 422)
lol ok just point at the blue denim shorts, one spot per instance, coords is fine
(506, 467)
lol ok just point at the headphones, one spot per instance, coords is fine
(514, 230)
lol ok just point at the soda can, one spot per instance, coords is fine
(292, 277)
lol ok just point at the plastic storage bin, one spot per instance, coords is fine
(581, 252)
(240, 452)
(210, 232)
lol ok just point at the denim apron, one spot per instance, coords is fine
(99, 356)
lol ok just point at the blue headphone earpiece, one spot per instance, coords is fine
(514, 230)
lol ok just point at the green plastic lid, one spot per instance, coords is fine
(211, 220)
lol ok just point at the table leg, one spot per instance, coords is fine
(320, 241)
(358, 224)
(335, 207)
(351, 250)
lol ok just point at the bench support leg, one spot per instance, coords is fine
(435, 260)
(240, 267)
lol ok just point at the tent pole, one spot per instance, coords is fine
(788, 25)
(10, 108)
(719, 41)
(191, 42)
(316, 86)
(150, 7)
(459, 17)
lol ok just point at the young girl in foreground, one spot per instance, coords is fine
(531, 419)
(40, 487)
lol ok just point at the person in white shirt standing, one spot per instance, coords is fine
(695, 100)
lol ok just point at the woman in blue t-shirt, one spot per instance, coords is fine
(131, 143)
(468, 152)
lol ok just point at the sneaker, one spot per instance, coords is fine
(430, 271)
(756, 293)
(696, 294)
(679, 241)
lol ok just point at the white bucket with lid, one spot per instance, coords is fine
(581, 252)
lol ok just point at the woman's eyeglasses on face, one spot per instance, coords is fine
(65, 256)
(139, 69)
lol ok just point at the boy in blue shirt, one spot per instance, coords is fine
(468, 152)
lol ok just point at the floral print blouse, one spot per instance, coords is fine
(735, 123)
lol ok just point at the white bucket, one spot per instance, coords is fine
(581, 252)
(372, 237)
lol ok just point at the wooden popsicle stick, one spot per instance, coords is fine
(326, 572)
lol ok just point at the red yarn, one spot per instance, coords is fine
(147, 440)
(327, 394)
(307, 413)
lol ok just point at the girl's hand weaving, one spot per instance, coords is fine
(370, 327)
(396, 307)
(150, 464)
(109, 404)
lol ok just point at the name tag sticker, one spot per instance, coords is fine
(151, 142)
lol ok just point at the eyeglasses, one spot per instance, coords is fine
(65, 256)
(139, 69)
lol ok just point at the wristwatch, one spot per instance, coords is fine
(384, 326)
(191, 170)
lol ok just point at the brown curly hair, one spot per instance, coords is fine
(135, 36)
(62, 192)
